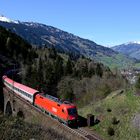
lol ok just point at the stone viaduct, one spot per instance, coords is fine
(16, 106)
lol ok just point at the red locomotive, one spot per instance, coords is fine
(65, 112)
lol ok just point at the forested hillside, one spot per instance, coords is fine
(13, 52)
(79, 80)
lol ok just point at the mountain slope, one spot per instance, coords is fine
(131, 49)
(41, 35)
(124, 107)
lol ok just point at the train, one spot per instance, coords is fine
(64, 111)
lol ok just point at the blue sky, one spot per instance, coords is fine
(107, 22)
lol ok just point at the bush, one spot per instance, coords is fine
(65, 89)
(109, 110)
(115, 121)
(111, 131)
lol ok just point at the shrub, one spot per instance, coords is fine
(65, 89)
(115, 121)
(109, 110)
(110, 131)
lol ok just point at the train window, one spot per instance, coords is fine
(72, 111)
(63, 110)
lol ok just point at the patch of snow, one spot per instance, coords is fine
(5, 19)
(136, 42)
(132, 42)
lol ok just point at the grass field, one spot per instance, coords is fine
(117, 112)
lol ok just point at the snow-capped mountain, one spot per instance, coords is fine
(132, 42)
(131, 49)
(43, 35)
(39, 34)
(5, 19)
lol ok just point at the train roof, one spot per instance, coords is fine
(33, 91)
(59, 101)
(21, 86)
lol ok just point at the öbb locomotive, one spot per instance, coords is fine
(65, 111)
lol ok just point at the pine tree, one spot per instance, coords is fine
(52, 53)
(40, 74)
(49, 74)
(68, 68)
(99, 70)
(58, 68)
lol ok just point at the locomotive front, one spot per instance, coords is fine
(72, 115)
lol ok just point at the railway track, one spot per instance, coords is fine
(79, 132)
(88, 135)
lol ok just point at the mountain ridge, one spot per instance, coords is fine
(5, 19)
(40, 35)
(131, 49)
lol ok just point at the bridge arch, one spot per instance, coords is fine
(8, 111)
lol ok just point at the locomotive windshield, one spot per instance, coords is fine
(72, 111)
